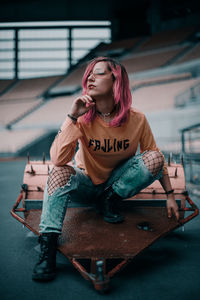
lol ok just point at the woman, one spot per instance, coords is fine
(107, 169)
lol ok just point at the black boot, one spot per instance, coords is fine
(111, 202)
(45, 269)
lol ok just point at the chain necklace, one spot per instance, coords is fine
(106, 114)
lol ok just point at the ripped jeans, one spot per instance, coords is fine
(126, 180)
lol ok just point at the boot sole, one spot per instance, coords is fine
(43, 277)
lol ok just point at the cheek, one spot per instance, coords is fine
(107, 86)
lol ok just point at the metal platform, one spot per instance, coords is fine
(86, 236)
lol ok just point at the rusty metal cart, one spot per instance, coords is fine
(85, 235)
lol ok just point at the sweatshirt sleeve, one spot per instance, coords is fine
(64, 144)
(147, 142)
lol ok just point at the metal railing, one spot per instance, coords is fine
(21, 59)
(189, 96)
(190, 137)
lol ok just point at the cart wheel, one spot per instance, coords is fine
(101, 282)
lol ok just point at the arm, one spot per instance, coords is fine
(64, 145)
(172, 206)
(148, 143)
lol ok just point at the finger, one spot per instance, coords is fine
(176, 214)
(89, 101)
(85, 100)
(169, 212)
(90, 105)
(80, 100)
(89, 98)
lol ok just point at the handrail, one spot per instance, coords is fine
(16, 49)
(188, 96)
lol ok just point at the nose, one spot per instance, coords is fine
(91, 77)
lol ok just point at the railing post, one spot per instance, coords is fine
(70, 47)
(16, 53)
(183, 141)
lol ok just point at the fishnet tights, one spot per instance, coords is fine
(154, 161)
(58, 177)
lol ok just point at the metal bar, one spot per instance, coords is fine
(20, 210)
(54, 27)
(16, 53)
(191, 127)
(100, 285)
(70, 47)
(6, 40)
(119, 267)
(194, 208)
(41, 49)
(50, 59)
(18, 201)
(15, 208)
(56, 39)
(81, 269)
(6, 49)
(42, 70)
(183, 141)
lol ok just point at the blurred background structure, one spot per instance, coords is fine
(44, 48)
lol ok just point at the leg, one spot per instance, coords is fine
(137, 173)
(131, 177)
(56, 197)
(154, 161)
(61, 182)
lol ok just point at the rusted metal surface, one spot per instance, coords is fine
(86, 235)
(36, 173)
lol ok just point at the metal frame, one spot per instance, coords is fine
(97, 273)
(69, 49)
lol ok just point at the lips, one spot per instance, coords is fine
(91, 86)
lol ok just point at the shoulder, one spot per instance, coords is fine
(137, 114)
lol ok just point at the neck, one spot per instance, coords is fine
(105, 106)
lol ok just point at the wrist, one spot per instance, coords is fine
(169, 192)
(72, 117)
(170, 198)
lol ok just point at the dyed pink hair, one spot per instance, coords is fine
(121, 90)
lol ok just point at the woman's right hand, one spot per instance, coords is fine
(81, 105)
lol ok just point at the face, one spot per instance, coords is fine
(100, 81)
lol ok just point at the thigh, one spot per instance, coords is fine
(135, 161)
(86, 192)
(131, 177)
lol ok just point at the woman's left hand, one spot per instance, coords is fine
(172, 207)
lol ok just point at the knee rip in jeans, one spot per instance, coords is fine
(154, 161)
(59, 177)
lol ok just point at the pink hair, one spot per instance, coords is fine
(121, 90)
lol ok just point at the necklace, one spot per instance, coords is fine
(106, 114)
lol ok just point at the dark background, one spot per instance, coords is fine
(129, 17)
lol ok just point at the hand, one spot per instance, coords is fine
(81, 105)
(172, 207)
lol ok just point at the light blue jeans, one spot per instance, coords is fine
(126, 180)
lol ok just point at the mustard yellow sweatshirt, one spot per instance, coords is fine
(101, 147)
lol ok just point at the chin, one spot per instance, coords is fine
(92, 93)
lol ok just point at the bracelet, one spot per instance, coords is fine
(72, 118)
(169, 192)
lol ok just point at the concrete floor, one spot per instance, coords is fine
(168, 270)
